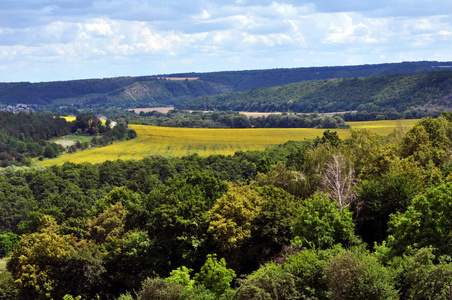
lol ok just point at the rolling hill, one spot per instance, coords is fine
(173, 89)
(430, 90)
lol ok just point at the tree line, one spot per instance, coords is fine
(229, 119)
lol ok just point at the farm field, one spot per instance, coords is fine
(171, 141)
(72, 119)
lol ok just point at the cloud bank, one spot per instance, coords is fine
(42, 40)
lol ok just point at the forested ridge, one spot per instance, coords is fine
(115, 92)
(148, 91)
(401, 92)
(364, 218)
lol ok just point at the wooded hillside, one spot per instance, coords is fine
(399, 92)
(146, 91)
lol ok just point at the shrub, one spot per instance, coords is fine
(269, 282)
(426, 280)
(355, 274)
(8, 290)
(214, 275)
(160, 289)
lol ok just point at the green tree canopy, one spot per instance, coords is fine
(321, 224)
(426, 222)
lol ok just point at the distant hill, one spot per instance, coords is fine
(430, 90)
(172, 89)
(122, 91)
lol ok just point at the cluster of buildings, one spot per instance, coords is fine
(17, 108)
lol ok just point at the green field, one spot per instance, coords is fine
(80, 138)
(172, 141)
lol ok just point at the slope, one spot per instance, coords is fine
(380, 93)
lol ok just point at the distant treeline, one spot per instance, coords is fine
(389, 115)
(231, 119)
(373, 94)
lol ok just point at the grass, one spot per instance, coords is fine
(2, 264)
(72, 139)
(80, 138)
(184, 141)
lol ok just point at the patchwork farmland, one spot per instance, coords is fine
(171, 141)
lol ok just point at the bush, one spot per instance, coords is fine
(426, 280)
(198, 292)
(308, 267)
(269, 282)
(355, 274)
(160, 289)
(7, 242)
(214, 275)
(8, 290)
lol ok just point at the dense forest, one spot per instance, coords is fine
(363, 218)
(25, 136)
(148, 91)
(402, 92)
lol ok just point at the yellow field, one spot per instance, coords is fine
(72, 119)
(69, 119)
(184, 141)
(384, 128)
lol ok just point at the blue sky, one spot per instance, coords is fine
(48, 40)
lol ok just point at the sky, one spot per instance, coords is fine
(50, 40)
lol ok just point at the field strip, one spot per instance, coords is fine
(171, 141)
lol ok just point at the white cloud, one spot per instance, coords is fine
(171, 36)
(99, 28)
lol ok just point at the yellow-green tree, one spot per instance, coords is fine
(232, 216)
(108, 225)
(47, 265)
(428, 141)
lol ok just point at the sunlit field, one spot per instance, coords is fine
(72, 119)
(383, 128)
(69, 119)
(171, 141)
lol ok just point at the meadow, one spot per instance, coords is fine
(171, 141)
